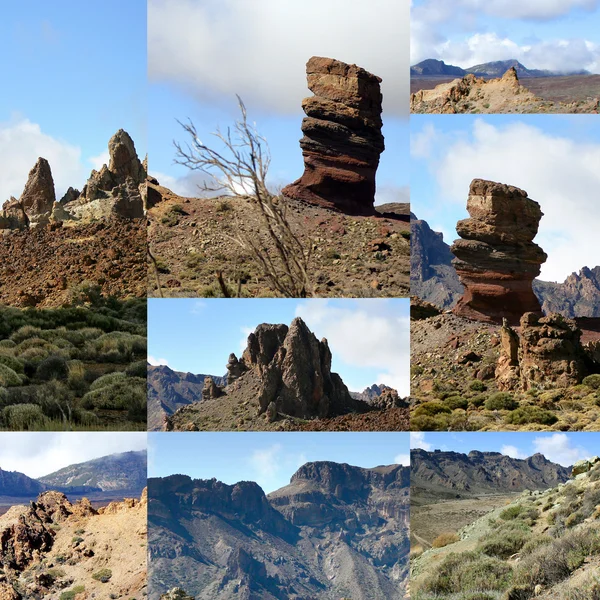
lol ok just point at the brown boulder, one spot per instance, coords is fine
(342, 137)
(496, 259)
(211, 389)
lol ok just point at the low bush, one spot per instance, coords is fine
(444, 539)
(531, 414)
(23, 417)
(53, 367)
(8, 377)
(103, 575)
(501, 401)
(592, 381)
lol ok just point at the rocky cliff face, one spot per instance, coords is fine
(496, 259)
(432, 276)
(438, 475)
(335, 531)
(577, 296)
(342, 137)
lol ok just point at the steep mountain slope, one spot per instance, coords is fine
(432, 276)
(437, 475)
(438, 68)
(125, 472)
(334, 531)
(169, 390)
(17, 484)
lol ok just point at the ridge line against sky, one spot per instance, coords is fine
(562, 448)
(270, 459)
(369, 339)
(558, 35)
(37, 454)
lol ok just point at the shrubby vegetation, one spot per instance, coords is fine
(532, 546)
(78, 367)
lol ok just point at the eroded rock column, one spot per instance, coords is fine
(496, 259)
(342, 137)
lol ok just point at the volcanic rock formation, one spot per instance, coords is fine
(35, 204)
(496, 259)
(548, 353)
(342, 137)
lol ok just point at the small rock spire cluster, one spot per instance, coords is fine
(342, 137)
(496, 258)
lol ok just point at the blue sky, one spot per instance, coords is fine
(368, 338)
(265, 65)
(561, 448)
(270, 459)
(75, 73)
(554, 158)
(559, 35)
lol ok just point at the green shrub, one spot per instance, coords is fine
(108, 379)
(8, 377)
(592, 381)
(103, 575)
(12, 363)
(469, 572)
(128, 394)
(501, 401)
(512, 512)
(477, 386)
(503, 544)
(531, 414)
(454, 402)
(24, 333)
(430, 409)
(137, 369)
(53, 367)
(23, 417)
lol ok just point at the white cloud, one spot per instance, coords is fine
(434, 22)
(259, 49)
(99, 161)
(513, 452)
(156, 362)
(559, 173)
(246, 331)
(198, 307)
(402, 459)
(417, 440)
(39, 454)
(559, 448)
(22, 143)
(368, 333)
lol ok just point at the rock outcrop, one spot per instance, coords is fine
(548, 353)
(118, 189)
(35, 204)
(501, 95)
(295, 371)
(496, 259)
(342, 137)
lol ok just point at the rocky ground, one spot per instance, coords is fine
(44, 266)
(336, 531)
(453, 363)
(503, 95)
(544, 544)
(193, 240)
(58, 550)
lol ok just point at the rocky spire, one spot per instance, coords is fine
(342, 137)
(496, 259)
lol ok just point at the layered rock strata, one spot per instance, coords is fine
(548, 353)
(342, 137)
(496, 259)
